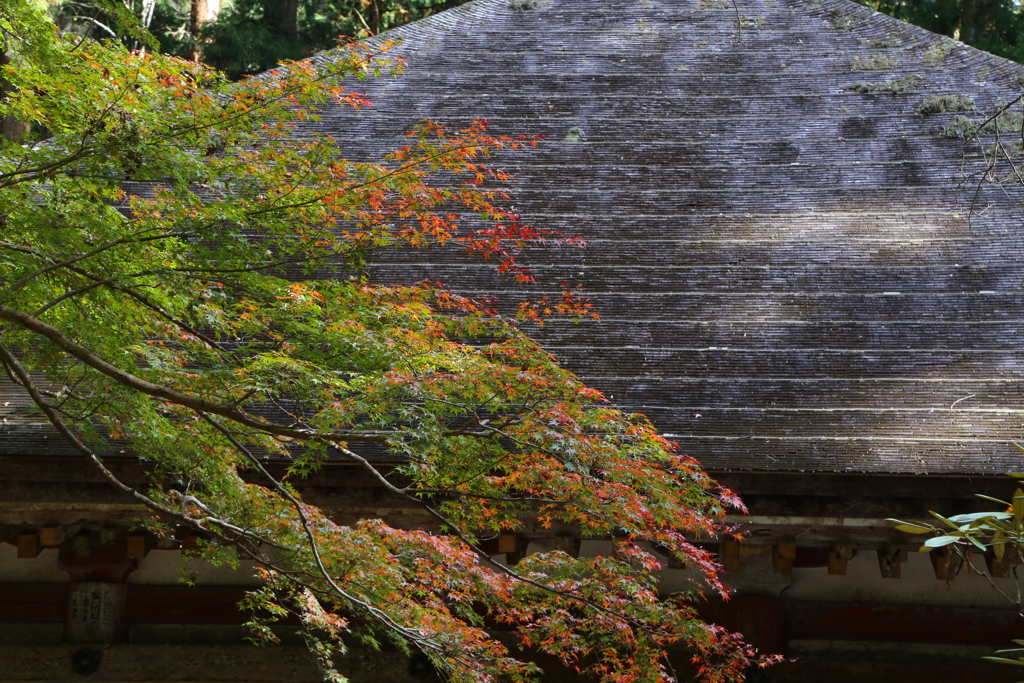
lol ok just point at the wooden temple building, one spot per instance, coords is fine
(804, 277)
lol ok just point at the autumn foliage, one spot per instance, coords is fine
(180, 279)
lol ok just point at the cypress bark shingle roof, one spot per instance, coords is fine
(796, 270)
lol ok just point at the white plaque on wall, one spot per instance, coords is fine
(94, 611)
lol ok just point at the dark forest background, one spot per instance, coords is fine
(996, 26)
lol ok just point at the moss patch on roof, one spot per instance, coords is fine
(896, 85)
(937, 53)
(875, 63)
(935, 104)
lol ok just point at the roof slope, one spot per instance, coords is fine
(789, 270)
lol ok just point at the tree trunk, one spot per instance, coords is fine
(969, 23)
(290, 19)
(10, 128)
(201, 12)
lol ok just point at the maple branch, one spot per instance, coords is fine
(11, 177)
(263, 102)
(14, 367)
(269, 265)
(65, 263)
(145, 301)
(412, 634)
(21, 376)
(127, 379)
(999, 112)
(71, 293)
(481, 496)
(462, 536)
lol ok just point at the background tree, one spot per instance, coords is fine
(179, 280)
(995, 26)
(125, 20)
(240, 37)
(250, 36)
(10, 127)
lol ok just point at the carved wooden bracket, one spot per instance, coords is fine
(783, 555)
(890, 559)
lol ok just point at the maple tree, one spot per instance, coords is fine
(180, 279)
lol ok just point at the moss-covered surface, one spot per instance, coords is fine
(882, 43)
(937, 53)
(1007, 120)
(896, 85)
(713, 4)
(934, 104)
(877, 63)
(844, 21)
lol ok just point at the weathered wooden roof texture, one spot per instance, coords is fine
(790, 273)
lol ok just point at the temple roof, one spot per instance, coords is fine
(795, 268)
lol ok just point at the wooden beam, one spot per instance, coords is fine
(110, 534)
(671, 561)
(506, 543)
(518, 552)
(568, 544)
(617, 541)
(999, 569)
(49, 536)
(190, 544)
(167, 543)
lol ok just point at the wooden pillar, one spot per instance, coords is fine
(50, 536)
